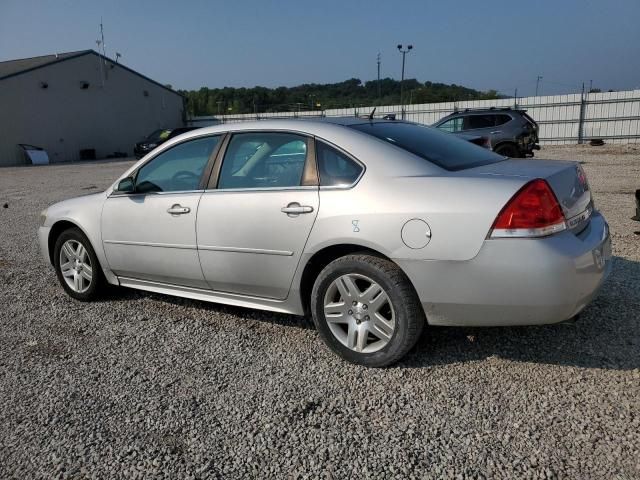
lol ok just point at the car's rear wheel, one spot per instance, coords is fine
(366, 310)
(77, 266)
(508, 150)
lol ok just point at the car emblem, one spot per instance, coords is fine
(356, 228)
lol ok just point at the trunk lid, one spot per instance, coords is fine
(567, 180)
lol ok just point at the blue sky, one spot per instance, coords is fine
(481, 44)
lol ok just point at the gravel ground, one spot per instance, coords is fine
(143, 385)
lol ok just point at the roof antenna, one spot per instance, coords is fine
(372, 112)
(98, 43)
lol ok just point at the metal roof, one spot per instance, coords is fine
(11, 68)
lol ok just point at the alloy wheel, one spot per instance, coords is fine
(75, 266)
(359, 313)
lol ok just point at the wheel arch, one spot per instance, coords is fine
(321, 259)
(503, 143)
(56, 230)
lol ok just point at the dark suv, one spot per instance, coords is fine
(512, 133)
(156, 138)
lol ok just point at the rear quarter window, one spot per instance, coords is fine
(440, 148)
(502, 119)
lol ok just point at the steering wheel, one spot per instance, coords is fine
(187, 178)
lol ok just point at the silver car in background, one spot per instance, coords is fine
(375, 227)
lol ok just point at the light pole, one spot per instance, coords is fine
(538, 83)
(404, 53)
(378, 78)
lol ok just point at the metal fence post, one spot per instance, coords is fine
(581, 120)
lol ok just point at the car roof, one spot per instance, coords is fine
(348, 121)
(486, 111)
(311, 124)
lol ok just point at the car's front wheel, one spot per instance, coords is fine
(366, 310)
(77, 266)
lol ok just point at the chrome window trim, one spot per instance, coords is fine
(262, 189)
(115, 193)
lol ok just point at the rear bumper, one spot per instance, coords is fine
(528, 148)
(516, 281)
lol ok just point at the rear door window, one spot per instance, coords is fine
(263, 160)
(440, 148)
(474, 122)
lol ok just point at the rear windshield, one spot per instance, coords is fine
(444, 149)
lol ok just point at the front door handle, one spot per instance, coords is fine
(294, 208)
(178, 209)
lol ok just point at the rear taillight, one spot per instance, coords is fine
(533, 211)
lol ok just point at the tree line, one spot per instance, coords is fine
(313, 96)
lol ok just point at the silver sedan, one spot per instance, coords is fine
(374, 227)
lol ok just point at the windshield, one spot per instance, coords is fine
(158, 135)
(443, 149)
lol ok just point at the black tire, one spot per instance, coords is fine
(508, 150)
(97, 284)
(409, 315)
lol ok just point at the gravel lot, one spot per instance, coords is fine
(143, 385)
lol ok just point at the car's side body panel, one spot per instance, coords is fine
(459, 223)
(141, 239)
(247, 245)
(85, 213)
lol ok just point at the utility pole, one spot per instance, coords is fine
(378, 78)
(404, 53)
(538, 83)
(515, 99)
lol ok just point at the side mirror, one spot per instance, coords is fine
(126, 185)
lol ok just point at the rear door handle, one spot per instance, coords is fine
(294, 208)
(178, 209)
(495, 132)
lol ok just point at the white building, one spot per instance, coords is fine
(75, 101)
